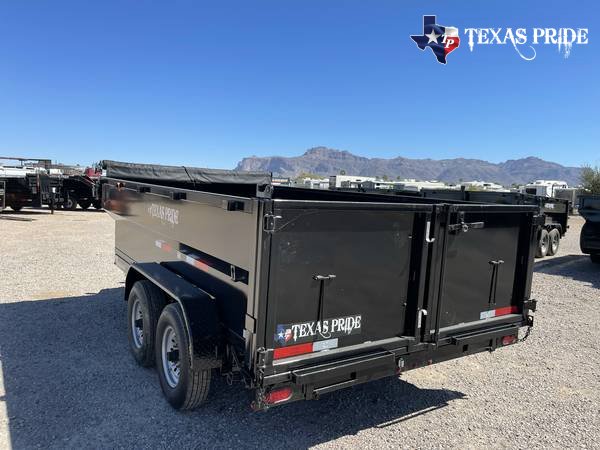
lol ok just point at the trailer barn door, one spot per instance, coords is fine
(479, 267)
(339, 275)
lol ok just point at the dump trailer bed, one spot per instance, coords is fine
(300, 292)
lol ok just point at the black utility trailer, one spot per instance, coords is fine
(28, 190)
(2, 195)
(300, 292)
(589, 209)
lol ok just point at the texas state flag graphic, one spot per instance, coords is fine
(440, 39)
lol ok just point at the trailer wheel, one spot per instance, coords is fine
(183, 387)
(595, 258)
(70, 203)
(97, 204)
(553, 242)
(144, 305)
(85, 204)
(16, 207)
(543, 243)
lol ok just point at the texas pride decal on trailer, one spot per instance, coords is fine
(316, 330)
(440, 39)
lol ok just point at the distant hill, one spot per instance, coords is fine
(326, 161)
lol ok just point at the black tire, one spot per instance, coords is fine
(97, 204)
(595, 258)
(70, 203)
(85, 204)
(151, 302)
(543, 244)
(553, 242)
(16, 207)
(192, 386)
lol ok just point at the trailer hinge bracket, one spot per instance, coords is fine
(531, 305)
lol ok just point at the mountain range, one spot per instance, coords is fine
(325, 161)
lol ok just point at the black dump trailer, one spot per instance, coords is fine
(32, 189)
(2, 195)
(554, 211)
(78, 190)
(589, 209)
(301, 292)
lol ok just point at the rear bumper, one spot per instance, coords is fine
(312, 381)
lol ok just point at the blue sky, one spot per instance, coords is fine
(207, 83)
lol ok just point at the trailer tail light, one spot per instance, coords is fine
(508, 340)
(278, 395)
(292, 350)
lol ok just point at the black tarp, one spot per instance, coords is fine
(181, 174)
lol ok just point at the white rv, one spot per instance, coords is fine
(545, 188)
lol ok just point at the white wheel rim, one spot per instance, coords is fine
(170, 356)
(137, 324)
(555, 239)
(545, 244)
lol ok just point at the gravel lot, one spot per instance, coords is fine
(67, 379)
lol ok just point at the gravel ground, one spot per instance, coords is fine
(68, 381)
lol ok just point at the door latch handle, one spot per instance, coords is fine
(428, 239)
(323, 277)
(422, 312)
(464, 227)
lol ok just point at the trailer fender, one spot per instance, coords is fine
(199, 309)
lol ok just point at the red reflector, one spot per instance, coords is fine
(506, 310)
(278, 395)
(507, 340)
(292, 350)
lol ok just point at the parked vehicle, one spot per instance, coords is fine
(42, 184)
(80, 190)
(589, 208)
(301, 292)
(572, 195)
(23, 187)
(2, 195)
(544, 188)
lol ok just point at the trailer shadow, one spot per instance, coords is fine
(576, 267)
(69, 381)
(26, 212)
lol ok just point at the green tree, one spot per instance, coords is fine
(590, 179)
(342, 172)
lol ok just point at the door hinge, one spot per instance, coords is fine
(269, 222)
(530, 304)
